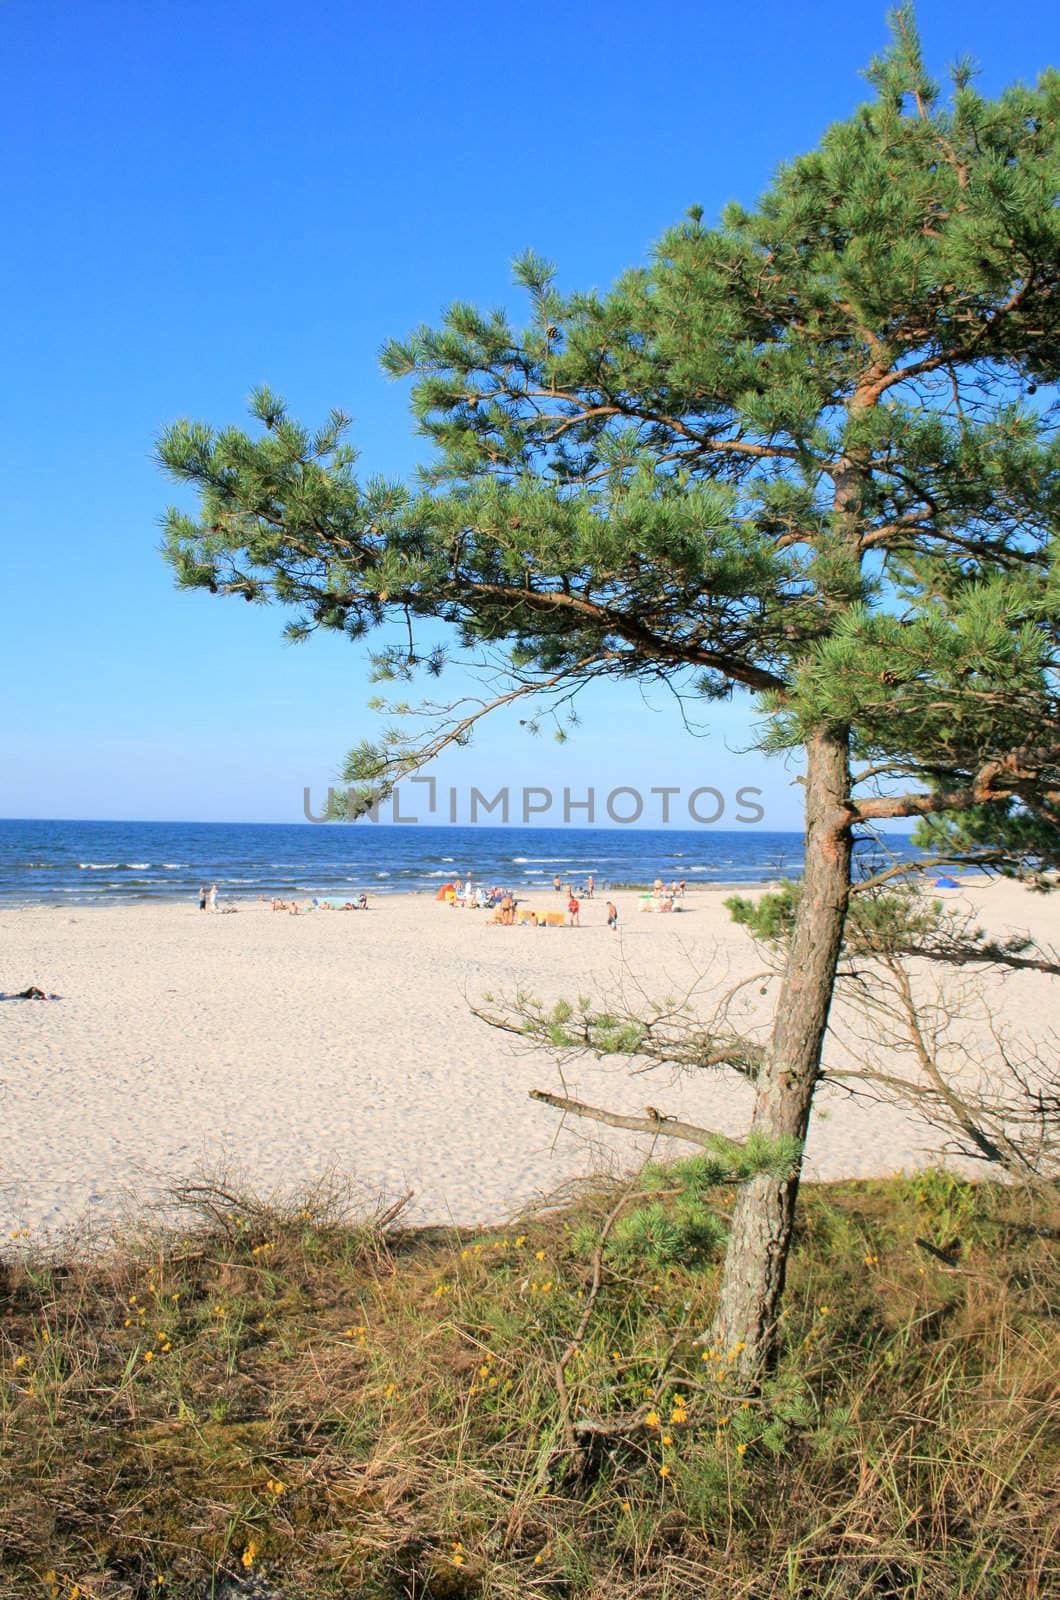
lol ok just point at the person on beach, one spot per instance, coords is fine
(213, 897)
(612, 915)
(590, 885)
(557, 884)
(202, 897)
(574, 911)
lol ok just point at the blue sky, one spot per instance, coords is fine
(203, 196)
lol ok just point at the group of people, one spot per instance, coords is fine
(502, 902)
(208, 897)
(588, 891)
(467, 894)
(662, 898)
(317, 904)
(504, 905)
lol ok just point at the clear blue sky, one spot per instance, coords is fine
(200, 195)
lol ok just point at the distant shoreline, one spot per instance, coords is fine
(380, 892)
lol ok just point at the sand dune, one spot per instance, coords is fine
(287, 1045)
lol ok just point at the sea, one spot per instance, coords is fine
(80, 863)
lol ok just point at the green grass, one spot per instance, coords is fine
(340, 1409)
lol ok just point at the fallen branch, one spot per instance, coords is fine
(656, 1124)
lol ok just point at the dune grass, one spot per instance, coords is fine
(332, 1407)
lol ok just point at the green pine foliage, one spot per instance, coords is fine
(680, 1225)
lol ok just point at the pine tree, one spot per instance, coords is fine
(807, 452)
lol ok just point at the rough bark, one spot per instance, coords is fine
(745, 1326)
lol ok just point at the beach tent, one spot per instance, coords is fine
(946, 883)
(447, 888)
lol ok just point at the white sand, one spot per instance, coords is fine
(285, 1046)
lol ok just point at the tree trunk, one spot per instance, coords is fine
(745, 1327)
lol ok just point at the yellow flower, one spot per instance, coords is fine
(520, 1241)
(652, 1419)
(667, 1439)
(20, 1361)
(741, 1449)
(539, 1255)
(664, 1471)
(824, 1310)
(149, 1355)
(248, 1555)
(678, 1414)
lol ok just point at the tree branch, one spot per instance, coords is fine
(670, 1127)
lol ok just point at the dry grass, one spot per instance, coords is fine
(337, 1408)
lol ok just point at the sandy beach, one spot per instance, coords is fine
(283, 1046)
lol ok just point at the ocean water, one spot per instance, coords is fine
(63, 863)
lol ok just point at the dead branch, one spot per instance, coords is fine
(656, 1124)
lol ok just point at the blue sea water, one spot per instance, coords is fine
(64, 863)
